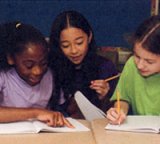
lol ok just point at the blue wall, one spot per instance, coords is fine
(111, 20)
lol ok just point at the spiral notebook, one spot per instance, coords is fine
(144, 124)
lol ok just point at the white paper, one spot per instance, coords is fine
(138, 124)
(89, 111)
(34, 126)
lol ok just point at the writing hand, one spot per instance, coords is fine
(114, 117)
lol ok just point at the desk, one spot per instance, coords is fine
(51, 138)
(103, 136)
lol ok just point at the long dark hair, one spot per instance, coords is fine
(64, 69)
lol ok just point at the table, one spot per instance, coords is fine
(51, 138)
(103, 136)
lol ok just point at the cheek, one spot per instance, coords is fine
(65, 52)
(155, 68)
(84, 49)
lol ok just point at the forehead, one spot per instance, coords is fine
(33, 50)
(144, 53)
(71, 32)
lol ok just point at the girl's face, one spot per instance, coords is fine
(74, 44)
(147, 63)
(31, 64)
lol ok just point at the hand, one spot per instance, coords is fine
(114, 117)
(51, 118)
(101, 87)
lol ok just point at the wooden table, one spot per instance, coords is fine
(51, 138)
(103, 136)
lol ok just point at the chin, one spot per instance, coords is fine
(147, 74)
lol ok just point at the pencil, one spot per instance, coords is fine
(118, 101)
(113, 77)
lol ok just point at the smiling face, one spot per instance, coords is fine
(147, 63)
(74, 44)
(31, 64)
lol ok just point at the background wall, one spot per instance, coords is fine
(111, 20)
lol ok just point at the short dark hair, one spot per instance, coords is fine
(14, 36)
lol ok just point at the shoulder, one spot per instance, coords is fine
(130, 64)
(106, 67)
(101, 61)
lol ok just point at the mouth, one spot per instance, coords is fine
(34, 81)
(76, 58)
(142, 72)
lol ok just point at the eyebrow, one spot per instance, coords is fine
(153, 60)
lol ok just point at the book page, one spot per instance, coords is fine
(138, 124)
(89, 111)
(17, 127)
(35, 126)
(40, 126)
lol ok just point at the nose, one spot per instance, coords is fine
(37, 70)
(73, 49)
(140, 64)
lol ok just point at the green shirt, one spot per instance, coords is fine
(142, 93)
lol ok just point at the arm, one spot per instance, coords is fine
(103, 88)
(9, 114)
(117, 118)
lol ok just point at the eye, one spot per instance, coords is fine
(64, 44)
(150, 62)
(28, 65)
(44, 63)
(79, 41)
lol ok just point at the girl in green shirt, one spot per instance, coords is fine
(138, 85)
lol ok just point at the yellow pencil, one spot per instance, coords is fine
(118, 101)
(113, 77)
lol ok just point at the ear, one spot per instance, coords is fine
(90, 37)
(10, 60)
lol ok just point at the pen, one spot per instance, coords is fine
(113, 77)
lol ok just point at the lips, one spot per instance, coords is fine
(76, 58)
(34, 81)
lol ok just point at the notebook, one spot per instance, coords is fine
(89, 111)
(145, 124)
(35, 126)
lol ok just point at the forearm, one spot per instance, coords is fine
(8, 114)
(123, 106)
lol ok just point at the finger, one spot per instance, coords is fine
(112, 115)
(60, 121)
(67, 123)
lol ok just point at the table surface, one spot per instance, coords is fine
(51, 138)
(103, 136)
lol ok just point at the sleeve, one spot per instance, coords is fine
(108, 69)
(1, 85)
(123, 83)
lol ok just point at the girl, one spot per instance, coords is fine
(139, 83)
(76, 64)
(26, 83)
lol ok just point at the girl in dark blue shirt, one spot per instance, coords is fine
(77, 66)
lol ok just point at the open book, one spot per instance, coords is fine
(89, 111)
(145, 124)
(35, 126)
